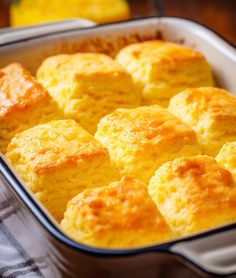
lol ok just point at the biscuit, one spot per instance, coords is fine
(23, 103)
(194, 194)
(119, 215)
(140, 140)
(58, 160)
(227, 157)
(87, 86)
(211, 112)
(161, 69)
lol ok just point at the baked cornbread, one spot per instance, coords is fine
(25, 12)
(58, 160)
(211, 112)
(87, 86)
(23, 103)
(161, 69)
(227, 157)
(140, 140)
(194, 194)
(119, 215)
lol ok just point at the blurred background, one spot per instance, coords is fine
(216, 14)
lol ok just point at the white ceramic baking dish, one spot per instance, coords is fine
(212, 253)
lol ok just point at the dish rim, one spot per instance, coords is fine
(111, 24)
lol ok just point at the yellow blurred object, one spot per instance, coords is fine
(25, 12)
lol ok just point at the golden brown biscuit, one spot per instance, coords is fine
(23, 103)
(211, 112)
(161, 69)
(140, 140)
(87, 86)
(119, 215)
(227, 157)
(58, 160)
(194, 194)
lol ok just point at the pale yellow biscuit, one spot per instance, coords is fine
(227, 157)
(58, 160)
(161, 69)
(87, 86)
(211, 112)
(23, 103)
(194, 194)
(119, 215)
(140, 140)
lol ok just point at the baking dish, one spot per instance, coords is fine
(210, 254)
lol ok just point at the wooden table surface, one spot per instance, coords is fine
(219, 15)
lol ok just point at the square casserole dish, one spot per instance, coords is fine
(209, 254)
